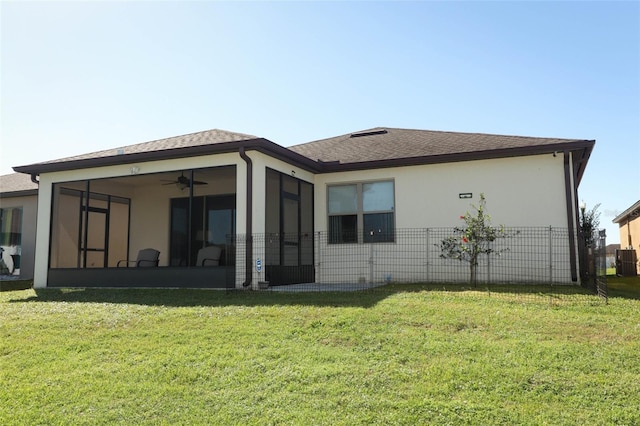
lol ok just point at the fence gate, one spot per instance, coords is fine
(600, 263)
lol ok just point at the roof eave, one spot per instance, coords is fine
(583, 147)
(634, 211)
(21, 193)
(260, 144)
(265, 146)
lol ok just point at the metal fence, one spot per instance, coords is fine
(600, 263)
(530, 260)
(527, 255)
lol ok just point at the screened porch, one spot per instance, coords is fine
(99, 226)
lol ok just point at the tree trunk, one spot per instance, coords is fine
(474, 274)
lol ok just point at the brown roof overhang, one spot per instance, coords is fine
(15, 194)
(581, 149)
(631, 212)
(258, 144)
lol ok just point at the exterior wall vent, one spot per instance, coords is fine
(375, 132)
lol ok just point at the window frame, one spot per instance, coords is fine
(360, 214)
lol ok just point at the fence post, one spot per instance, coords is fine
(550, 254)
(318, 256)
(426, 260)
(489, 266)
(370, 263)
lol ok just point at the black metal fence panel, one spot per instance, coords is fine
(528, 257)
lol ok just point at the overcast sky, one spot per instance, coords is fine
(78, 77)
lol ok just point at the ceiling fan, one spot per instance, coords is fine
(183, 182)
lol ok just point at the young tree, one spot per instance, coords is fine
(589, 223)
(473, 240)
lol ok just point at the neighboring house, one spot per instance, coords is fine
(629, 223)
(610, 253)
(272, 210)
(18, 209)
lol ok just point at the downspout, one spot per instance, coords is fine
(34, 179)
(249, 217)
(571, 215)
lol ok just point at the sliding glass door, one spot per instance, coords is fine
(199, 222)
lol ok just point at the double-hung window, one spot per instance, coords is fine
(361, 212)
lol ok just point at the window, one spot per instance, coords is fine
(365, 209)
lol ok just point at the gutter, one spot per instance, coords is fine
(249, 218)
(571, 216)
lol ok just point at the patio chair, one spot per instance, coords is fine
(146, 258)
(209, 256)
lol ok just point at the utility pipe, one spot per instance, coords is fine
(249, 217)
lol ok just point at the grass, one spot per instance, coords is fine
(402, 355)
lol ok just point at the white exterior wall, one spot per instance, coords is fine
(520, 192)
(29, 206)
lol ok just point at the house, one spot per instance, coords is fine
(18, 209)
(610, 253)
(315, 212)
(629, 223)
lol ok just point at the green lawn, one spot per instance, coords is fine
(400, 355)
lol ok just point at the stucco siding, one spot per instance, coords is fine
(630, 236)
(522, 191)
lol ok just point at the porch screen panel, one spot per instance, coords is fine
(306, 223)
(118, 230)
(179, 231)
(65, 228)
(290, 229)
(272, 218)
(96, 239)
(210, 221)
(220, 223)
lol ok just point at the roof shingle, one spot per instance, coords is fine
(379, 144)
(16, 183)
(207, 137)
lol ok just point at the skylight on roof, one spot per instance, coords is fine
(375, 132)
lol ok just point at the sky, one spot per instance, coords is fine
(78, 77)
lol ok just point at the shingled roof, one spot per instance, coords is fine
(199, 139)
(372, 148)
(383, 144)
(17, 185)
